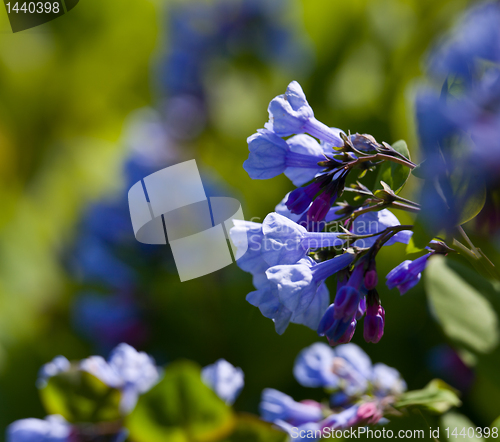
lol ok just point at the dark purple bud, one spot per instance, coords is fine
(320, 207)
(301, 198)
(346, 303)
(361, 308)
(371, 277)
(345, 337)
(373, 326)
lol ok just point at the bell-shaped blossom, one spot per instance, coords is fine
(387, 380)
(58, 365)
(286, 242)
(291, 114)
(346, 367)
(52, 429)
(247, 237)
(270, 156)
(407, 274)
(337, 331)
(376, 222)
(276, 406)
(225, 379)
(266, 298)
(297, 284)
(128, 370)
(475, 38)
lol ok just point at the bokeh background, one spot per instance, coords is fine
(115, 90)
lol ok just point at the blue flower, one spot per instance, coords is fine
(387, 381)
(407, 274)
(52, 429)
(286, 242)
(266, 298)
(277, 406)
(347, 367)
(128, 370)
(271, 156)
(475, 38)
(376, 222)
(225, 379)
(57, 366)
(337, 331)
(247, 237)
(297, 284)
(291, 114)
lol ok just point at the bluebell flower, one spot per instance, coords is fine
(276, 406)
(407, 274)
(347, 367)
(297, 284)
(300, 199)
(108, 320)
(266, 298)
(270, 156)
(128, 370)
(247, 237)
(337, 331)
(286, 242)
(376, 222)
(387, 381)
(225, 379)
(291, 114)
(57, 366)
(349, 295)
(475, 38)
(52, 429)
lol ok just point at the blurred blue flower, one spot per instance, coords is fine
(225, 379)
(387, 381)
(108, 320)
(276, 406)
(52, 429)
(128, 370)
(58, 365)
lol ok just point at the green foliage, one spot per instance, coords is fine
(462, 424)
(496, 424)
(249, 428)
(181, 408)
(465, 315)
(436, 397)
(395, 175)
(80, 397)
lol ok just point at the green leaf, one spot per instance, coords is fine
(436, 397)
(180, 408)
(496, 423)
(463, 312)
(250, 428)
(395, 175)
(463, 426)
(80, 397)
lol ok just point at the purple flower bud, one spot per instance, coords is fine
(367, 414)
(346, 302)
(373, 326)
(346, 337)
(361, 308)
(371, 278)
(301, 198)
(320, 207)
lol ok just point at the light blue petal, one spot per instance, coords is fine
(313, 367)
(267, 157)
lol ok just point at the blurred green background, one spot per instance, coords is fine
(67, 90)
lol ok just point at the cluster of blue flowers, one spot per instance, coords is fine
(360, 393)
(294, 250)
(459, 125)
(132, 373)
